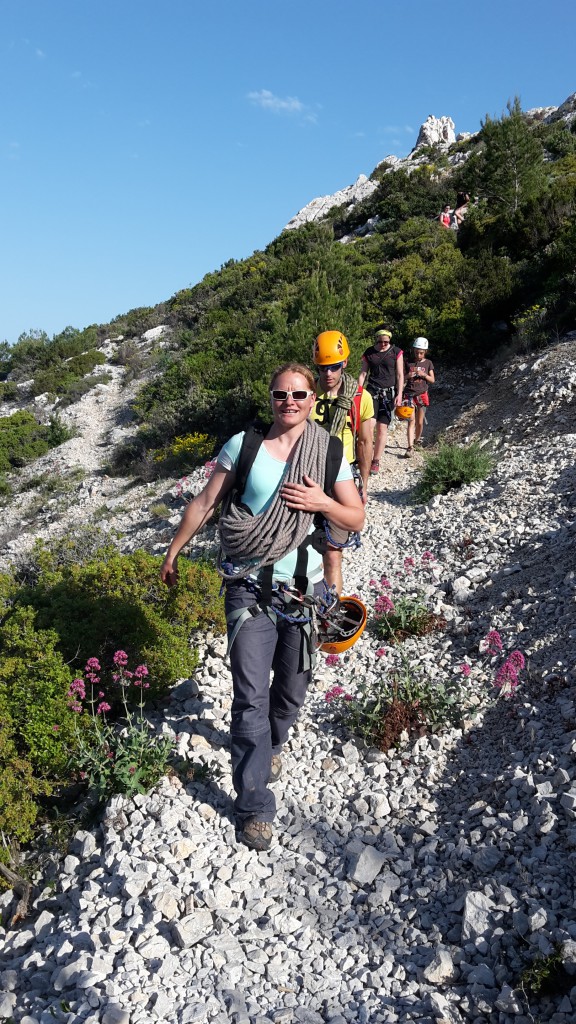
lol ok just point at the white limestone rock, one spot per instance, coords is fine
(436, 131)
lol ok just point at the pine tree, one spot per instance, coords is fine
(512, 169)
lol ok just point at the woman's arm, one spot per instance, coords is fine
(363, 372)
(196, 513)
(399, 380)
(345, 509)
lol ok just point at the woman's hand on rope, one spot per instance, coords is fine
(306, 497)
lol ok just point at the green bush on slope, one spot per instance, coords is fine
(62, 611)
(452, 466)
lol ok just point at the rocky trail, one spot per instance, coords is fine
(409, 886)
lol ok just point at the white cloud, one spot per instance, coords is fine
(289, 105)
(268, 101)
(40, 53)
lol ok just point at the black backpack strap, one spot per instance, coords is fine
(251, 443)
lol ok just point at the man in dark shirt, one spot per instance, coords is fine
(383, 364)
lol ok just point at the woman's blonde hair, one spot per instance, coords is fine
(294, 368)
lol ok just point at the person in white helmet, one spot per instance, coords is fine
(419, 375)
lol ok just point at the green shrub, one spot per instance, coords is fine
(23, 439)
(34, 681)
(8, 390)
(452, 466)
(6, 490)
(134, 358)
(118, 602)
(19, 788)
(57, 379)
(403, 617)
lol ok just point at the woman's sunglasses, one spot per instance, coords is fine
(298, 396)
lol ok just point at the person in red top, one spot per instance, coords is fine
(419, 374)
(445, 216)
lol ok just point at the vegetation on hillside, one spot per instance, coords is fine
(82, 599)
(469, 292)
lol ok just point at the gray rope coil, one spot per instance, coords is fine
(342, 404)
(269, 536)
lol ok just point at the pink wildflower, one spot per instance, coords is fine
(384, 582)
(77, 689)
(427, 556)
(209, 468)
(141, 670)
(145, 686)
(383, 605)
(409, 564)
(381, 652)
(333, 694)
(101, 694)
(93, 665)
(120, 659)
(348, 696)
(465, 669)
(102, 708)
(55, 728)
(493, 642)
(372, 583)
(332, 659)
(74, 706)
(132, 769)
(516, 659)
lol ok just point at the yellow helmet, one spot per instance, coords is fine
(404, 412)
(340, 631)
(330, 347)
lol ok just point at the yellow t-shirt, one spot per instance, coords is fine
(321, 414)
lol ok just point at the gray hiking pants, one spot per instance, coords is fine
(262, 710)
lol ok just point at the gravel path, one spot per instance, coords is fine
(411, 886)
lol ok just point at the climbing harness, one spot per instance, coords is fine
(330, 623)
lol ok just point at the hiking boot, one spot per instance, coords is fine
(257, 835)
(375, 467)
(275, 768)
(409, 453)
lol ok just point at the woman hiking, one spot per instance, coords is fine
(267, 552)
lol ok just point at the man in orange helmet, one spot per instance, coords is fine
(346, 411)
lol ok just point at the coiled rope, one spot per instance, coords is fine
(269, 536)
(342, 403)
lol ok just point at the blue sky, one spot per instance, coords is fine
(143, 144)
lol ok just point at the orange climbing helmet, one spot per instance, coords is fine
(343, 627)
(330, 347)
(404, 412)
